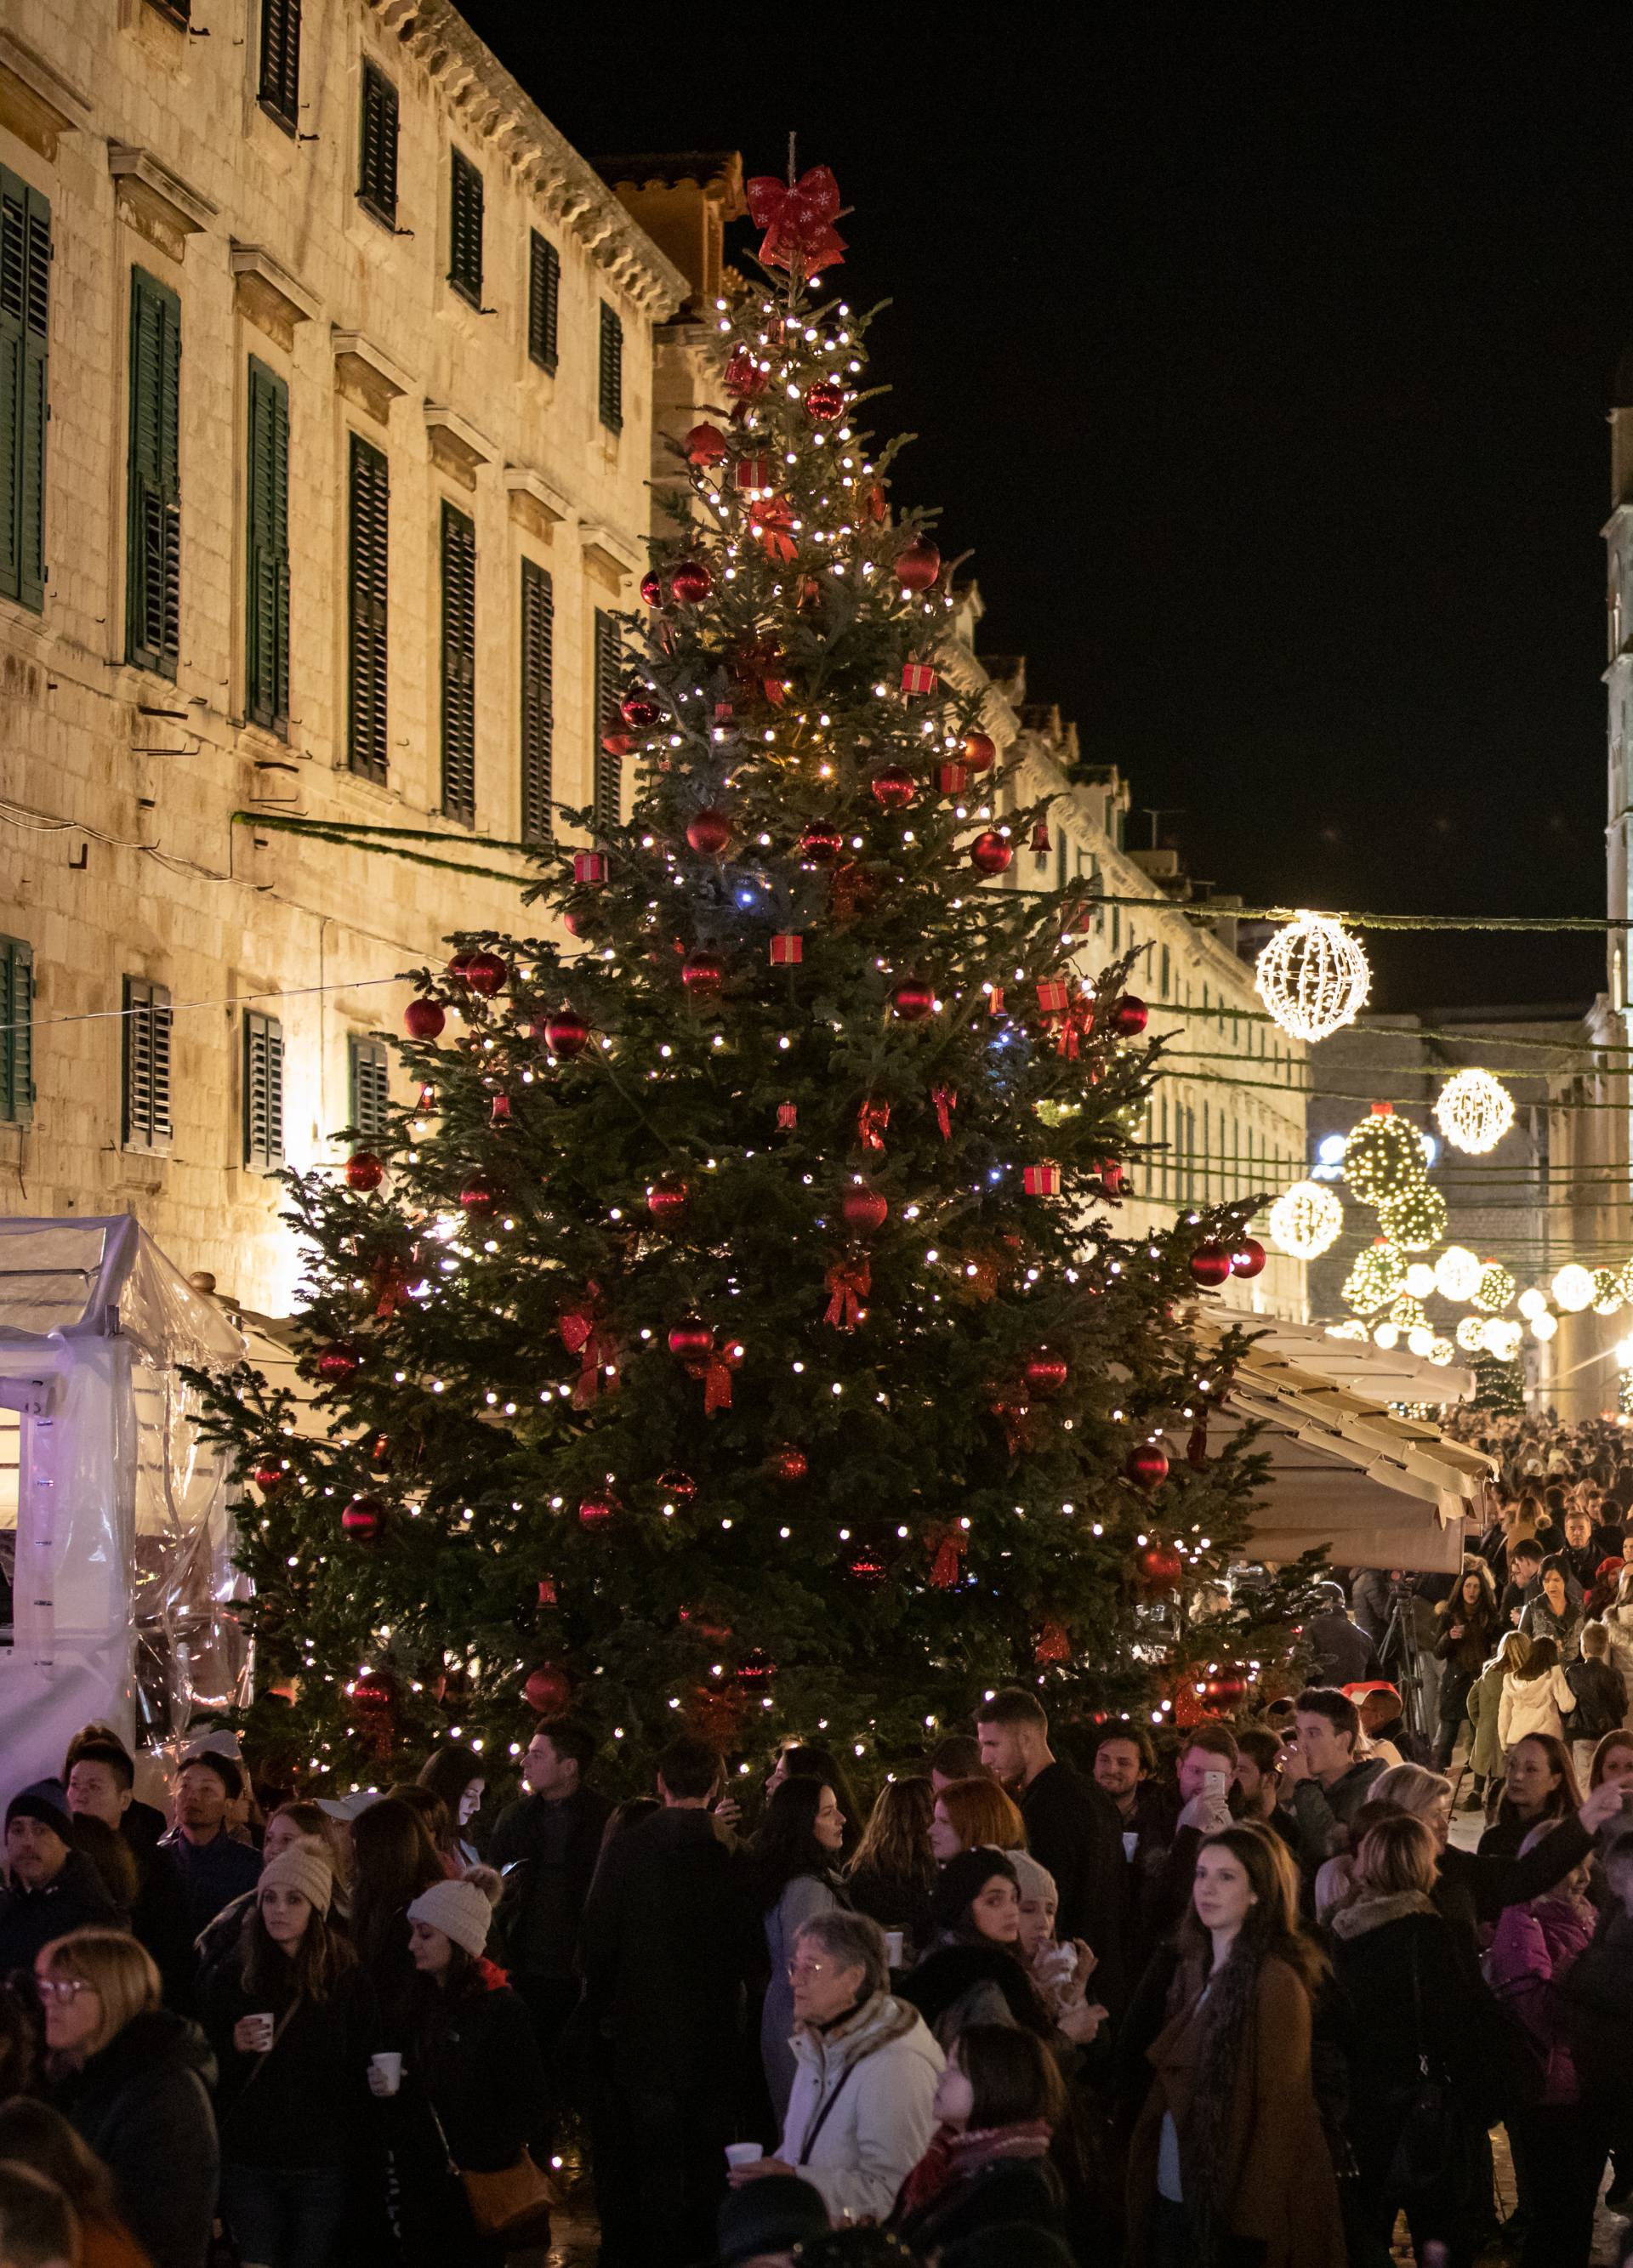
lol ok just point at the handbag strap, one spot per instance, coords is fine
(821, 2119)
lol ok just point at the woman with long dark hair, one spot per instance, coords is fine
(457, 1774)
(974, 1973)
(1538, 1785)
(393, 1860)
(893, 1872)
(1228, 2158)
(795, 1858)
(1469, 1627)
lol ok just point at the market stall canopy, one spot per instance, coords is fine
(1387, 1375)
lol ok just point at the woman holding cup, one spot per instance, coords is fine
(285, 2014)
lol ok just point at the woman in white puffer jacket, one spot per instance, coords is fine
(1619, 1625)
(1537, 1696)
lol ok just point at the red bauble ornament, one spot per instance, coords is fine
(789, 1463)
(866, 1566)
(547, 1690)
(566, 1034)
(709, 832)
(1161, 1567)
(989, 853)
(824, 401)
(821, 843)
(1225, 1688)
(913, 999)
(1249, 1257)
(742, 377)
(423, 1019)
(756, 1670)
(691, 1340)
(483, 972)
(894, 788)
(703, 973)
(266, 1477)
(651, 588)
(980, 751)
(667, 1198)
(365, 1171)
(594, 1511)
(617, 744)
(692, 582)
(704, 445)
(479, 1197)
(1046, 1372)
(680, 1487)
(1146, 1465)
(363, 1519)
(917, 567)
(864, 1209)
(336, 1363)
(638, 711)
(1210, 1264)
(1130, 1017)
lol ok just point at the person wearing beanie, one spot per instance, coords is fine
(460, 1911)
(291, 2022)
(768, 2219)
(52, 1887)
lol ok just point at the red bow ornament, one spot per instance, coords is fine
(388, 1283)
(798, 220)
(946, 1101)
(872, 1118)
(849, 1282)
(770, 521)
(582, 1334)
(948, 1545)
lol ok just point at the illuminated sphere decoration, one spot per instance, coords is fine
(1382, 1157)
(1457, 1273)
(1609, 1299)
(1624, 1283)
(1377, 1277)
(1440, 1352)
(1420, 1280)
(1407, 1314)
(1495, 1290)
(1531, 1303)
(1313, 978)
(1473, 1111)
(1415, 1217)
(1420, 1338)
(1573, 1288)
(1305, 1220)
(1544, 1326)
(1386, 1335)
(1471, 1334)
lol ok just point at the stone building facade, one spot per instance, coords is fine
(348, 361)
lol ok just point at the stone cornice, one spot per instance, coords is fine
(488, 102)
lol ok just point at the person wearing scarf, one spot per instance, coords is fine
(997, 2106)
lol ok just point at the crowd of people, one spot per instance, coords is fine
(1243, 2001)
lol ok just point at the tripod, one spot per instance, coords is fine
(1399, 1647)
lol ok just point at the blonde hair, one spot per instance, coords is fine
(1396, 1855)
(1411, 1788)
(120, 1972)
(982, 1815)
(1595, 1639)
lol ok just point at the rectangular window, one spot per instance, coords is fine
(145, 1123)
(611, 370)
(465, 230)
(368, 1083)
(264, 1093)
(153, 569)
(179, 12)
(538, 698)
(608, 769)
(266, 622)
(543, 296)
(280, 92)
(17, 1028)
(368, 513)
(377, 147)
(459, 666)
(1166, 973)
(25, 333)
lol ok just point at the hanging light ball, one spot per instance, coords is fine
(709, 832)
(704, 445)
(638, 711)
(1386, 1335)
(1414, 1217)
(1305, 1220)
(1573, 1288)
(1146, 1465)
(919, 566)
(651, 588)
(479, 1197)
(1495, 1290)
(1544, 1326)
(1419, 1280)
(1046, 1372)
(894, 788)
(1471, 1334)
(1313, 978)
(1210, 1264)
(1382, 1156)
(1473, 1111)
(824, 401)
(1420, 1338)
(365, 1171)
(1608, 1296)
(864, 1209)
(1440, 1352)
(363, 1519)
(789, 1463)
(913, 999)
(1376, 1277)
(423, 1019)
(691, 1340)
(594, 1511)
(692, 582)
(1161, 1567)
(485, 972)
(989, 853)
(337, 1364)
(1457, 1273)
(1532, 1302)
(547, 1691)
(1248, 1257)
(676, 1486)
(270, 1476)
(1129, 1017)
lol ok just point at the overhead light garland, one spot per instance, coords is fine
(1305, 1220)
(1313, 978)
(1473, 1111)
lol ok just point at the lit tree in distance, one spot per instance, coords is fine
(737, 1332)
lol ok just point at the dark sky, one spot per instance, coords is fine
(1262, 359)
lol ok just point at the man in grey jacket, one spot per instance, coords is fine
(1323, 1782)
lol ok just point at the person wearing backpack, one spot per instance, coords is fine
(1601, 1697)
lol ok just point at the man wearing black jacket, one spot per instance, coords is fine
(100, 1781)
(54, 1886)
(1072, 1828)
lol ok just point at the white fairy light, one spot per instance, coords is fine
(1313, 978)
(1473, 1111)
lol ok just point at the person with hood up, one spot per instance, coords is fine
(862, 2109)
(53, 1888)
(134, 2080)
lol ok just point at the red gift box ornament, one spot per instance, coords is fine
(717, 1376)
(589, 868)
(1054, 999)
(848, 1282)
(995, 999)
(1054, 1644)
(753, 473)
(1041, 1180)
(798, 220)
(788, 948)
(787, 1117)
(952, 779)
(918, 678)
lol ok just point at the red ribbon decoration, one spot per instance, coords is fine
(1196, 1447)
(388, 1281)
(946, 1101)
(849, 1282)
(716, 1385)
(798, 220)
(1054, 1644)
(787, 1117)
(948, 1545)
(770, 520)
(583, 1336)
(872, 1118)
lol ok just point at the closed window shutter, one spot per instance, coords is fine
(146, 1119)
(369, 501)
(609, 774)
(459, 664)
(377, 156)
(24, 335)
(538, 697)
(280, 60)
(264, 1093)
(369, 1067)
(465, 229)
(266, 642)
(153, 595)
(543, 298)
(611, 370)
(17, 1028)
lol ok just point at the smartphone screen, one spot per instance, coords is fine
(1215, 1782)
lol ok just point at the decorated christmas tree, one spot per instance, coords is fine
(737, 1331)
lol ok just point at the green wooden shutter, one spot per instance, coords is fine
(17, 1028)
(146, 1118)
(368, 511)
(465, 229)
(24, 336)
(263, 1091)
(538, 679)
(153, 570)
(266, 640)
(608, 769)
(543, 299)
(369, 1086)
(611, 369)
(280, 60)
(377, 146)
(459, 664)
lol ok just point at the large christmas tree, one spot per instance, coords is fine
(737, 1330)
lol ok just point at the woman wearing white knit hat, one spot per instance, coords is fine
(284, 2012)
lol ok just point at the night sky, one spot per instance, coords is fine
(1262, 364)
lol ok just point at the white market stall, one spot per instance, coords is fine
(117, 1533)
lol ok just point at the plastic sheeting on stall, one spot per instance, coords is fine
(121, 1532)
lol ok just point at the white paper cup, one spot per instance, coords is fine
(265, 2028)
(895, 1946)
(743, 2154)
(389, 2065)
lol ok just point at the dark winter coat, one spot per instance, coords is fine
(546, 1883)
(303, 2104)
(1466, 1656)
(143, 2104)
(1597, 1995)
(77, 1899)
(212, 1874)
(1014, 2193)
(1320, 1816)
(974, 1984)
(1073, 1829)
(1602, 1699)
(1344, 1655)
(1373, 1946)
(894, 1901)
(158, 1921)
